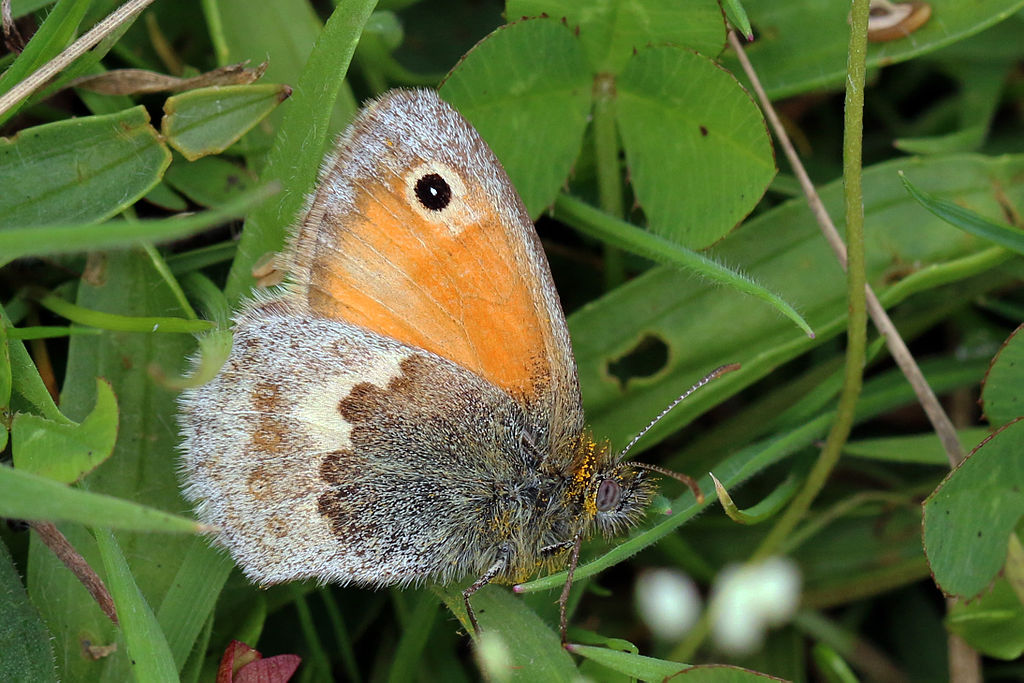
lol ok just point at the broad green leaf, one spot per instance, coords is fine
(698, 151)
(210, 181)
(801, 46)
(1002, 395)
(704, 326)
(78, 170)
(970, 221)
(611, 30)
(55, 34)
(923, 449)
(531, 112)
(24, 640)
(993, 624)
(31, 496)
(298, 148)
(533, 650)
(63, 452)
(147, 650)
(286, 49)
(209, 120)
(968, 519)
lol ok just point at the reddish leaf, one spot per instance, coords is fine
(276, 669)
(237, 655)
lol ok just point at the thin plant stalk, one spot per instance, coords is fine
(940, 422)
(85, 42)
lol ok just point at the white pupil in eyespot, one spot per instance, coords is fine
(433, 192)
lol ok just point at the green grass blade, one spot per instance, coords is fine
(298, 148)
(29, 496)
(122, 323)
(148, 653)
(967, 220)
(621, 234)
(62, 239)
(56, 33)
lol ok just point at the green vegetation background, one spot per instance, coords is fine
(676, 247)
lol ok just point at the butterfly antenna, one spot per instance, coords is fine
(689, 481)
(714, 374)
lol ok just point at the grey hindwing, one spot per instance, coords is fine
(322, 450)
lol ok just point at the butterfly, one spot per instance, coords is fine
(405, 408)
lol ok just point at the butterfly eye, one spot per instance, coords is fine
(433, 192)
(608, 494)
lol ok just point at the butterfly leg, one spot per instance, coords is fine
(557, 547)
(574, 558)
(499, 566)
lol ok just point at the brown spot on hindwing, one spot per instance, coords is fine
(265, 397)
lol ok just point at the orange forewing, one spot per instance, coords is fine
(463, 296)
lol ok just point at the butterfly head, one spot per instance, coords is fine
(613, 494)
(622, 495)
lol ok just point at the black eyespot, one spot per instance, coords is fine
(433, 192)
(608, 494)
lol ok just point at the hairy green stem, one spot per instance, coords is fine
(855, 278)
